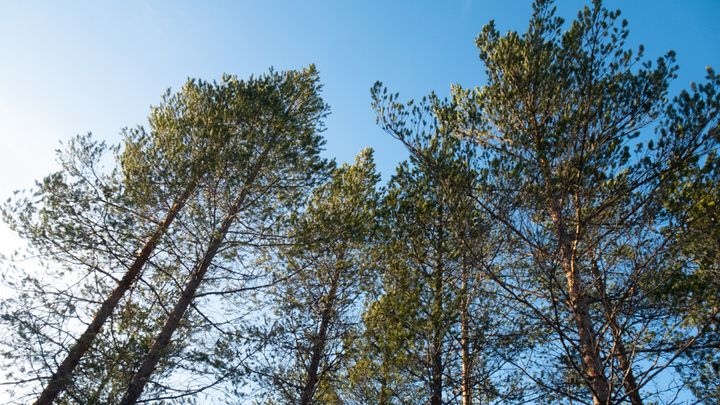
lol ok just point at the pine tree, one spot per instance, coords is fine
(565, 125)
(314, 308)
(272, 128)
(76, 217)
(690, 204)
(424, 333)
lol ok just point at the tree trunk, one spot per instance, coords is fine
(162, 340)
(465, 340)
(629, 382)
(437, 316)
(581, 315)
(436, 383)
(63, 374)
(588, 351)
(320, 341)
(578, 303)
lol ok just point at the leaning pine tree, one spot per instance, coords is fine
(162, 170)
(173, 157)
(272, 126)
(78, 217)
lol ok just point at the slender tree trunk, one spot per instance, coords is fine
(629, 382)
(588, 349)
(578, 303)
(63, 374)
(436, 382)
(581, 315)
(437, 316)
(162, 340)
(465, 340)
(320, 341)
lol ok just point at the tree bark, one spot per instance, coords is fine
(588, 349)
(320, 341)
(62, 376)
(436, 381)
(578, 303)
(581, 315)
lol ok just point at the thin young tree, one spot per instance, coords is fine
(314, 321)
(432, 306)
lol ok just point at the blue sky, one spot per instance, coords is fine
(98, 66)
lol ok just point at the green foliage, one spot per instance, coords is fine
(691, 205)
(209, 132)
(430, 255)
(553, 235)
(562, 125)
(235, 147)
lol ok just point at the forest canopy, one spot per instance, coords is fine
(552, 237)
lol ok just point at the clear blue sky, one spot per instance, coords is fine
(74, 67)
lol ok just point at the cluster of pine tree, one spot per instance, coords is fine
(553, 237)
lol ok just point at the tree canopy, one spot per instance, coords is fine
(552, 237)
